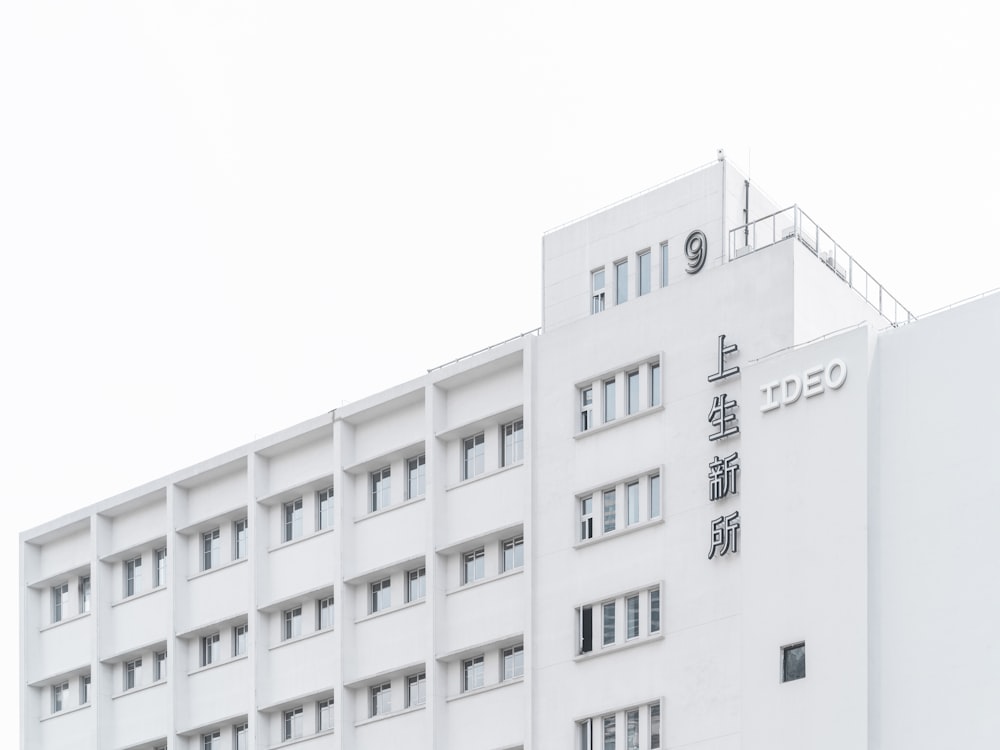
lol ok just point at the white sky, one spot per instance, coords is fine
(218, 219)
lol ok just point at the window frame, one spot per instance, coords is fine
(211, 548)
(644, 264)
(59, 692)
(632, 507)
(211, 649)
(586, 408)
(586, 505)
(380, 699)
(325, 613)
(292, 723)
(515, 545)
(324, 708)
(291, 623)
(208, 740)
(380, 595)
(786, 666)
(621, 281)
(418, 577)
(597, 292)
(512, 442)
(416, 681)
(473, 673)
(159, 567)
(241, 538)
(241, 732)
(473, 456)
(85, 683)
(60, 602)
(83, 594)
(324, 509)
(240, 636)
(380, 489)
(416, 476)
(132, 674)
(664, 263)
(512, 662)
(159, 665)
(477, 557)
(292, 513)
(633, 397)
(132, 569)
(609, 389)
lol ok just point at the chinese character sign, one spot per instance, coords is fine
(723, 473)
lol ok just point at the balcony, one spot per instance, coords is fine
(794, 222)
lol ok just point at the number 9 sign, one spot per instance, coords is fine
(695, 248)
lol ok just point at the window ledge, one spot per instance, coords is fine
(390, 610)
(484, 581)
(389, 509)
(140, 595)
(618, 532)
(65, 711)
(214, 664)
(63, 621)
(300, 638)
(298, 540)
(484, 475)
(390, 715)
(139, 689)
(220, 566)
(485, 689)
(303, 738)
(615, 648)
(619, 420)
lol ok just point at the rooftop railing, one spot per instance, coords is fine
(794, 222)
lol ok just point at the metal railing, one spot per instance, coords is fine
(533, 332)
(794, 222)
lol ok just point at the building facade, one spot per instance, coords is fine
(733, 495)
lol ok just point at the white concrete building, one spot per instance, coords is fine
(732, 496)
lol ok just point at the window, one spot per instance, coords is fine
(513, 662)
(293, 520)
(212, 741)
(609, 400)
(60, 602)
(596, 291)
(621, 282)
(240, 539)
(632, 404)
(609, 732)
(84, 689)
(663, 264)
(133, 674)
(793, 662)
(416, 690)
(381, 595)
(654, 385)
(324, 613)
(587, 517)
(585, 733)
(293, 724)
(631, 503)
(586, 409)
(610, 510)
(416, 584)
(654, 610)
(609, 623)
(381, 486)
(159, 567)
(473, 456)
(654, 496)
(291, 623)
(415, 477)
(211, 546)
(632, 617)
(159, 666)
(513, 443)
(381, 699)
(642, 619)
(654, 726)
(473, 566)
(324, 715)
(211, 650)
(59, 693)
(473, 673)
(83, 593)
(645, 271)
(324, 509)
(513, 553)
(240, 639)
(240, 736)
(632, 729)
